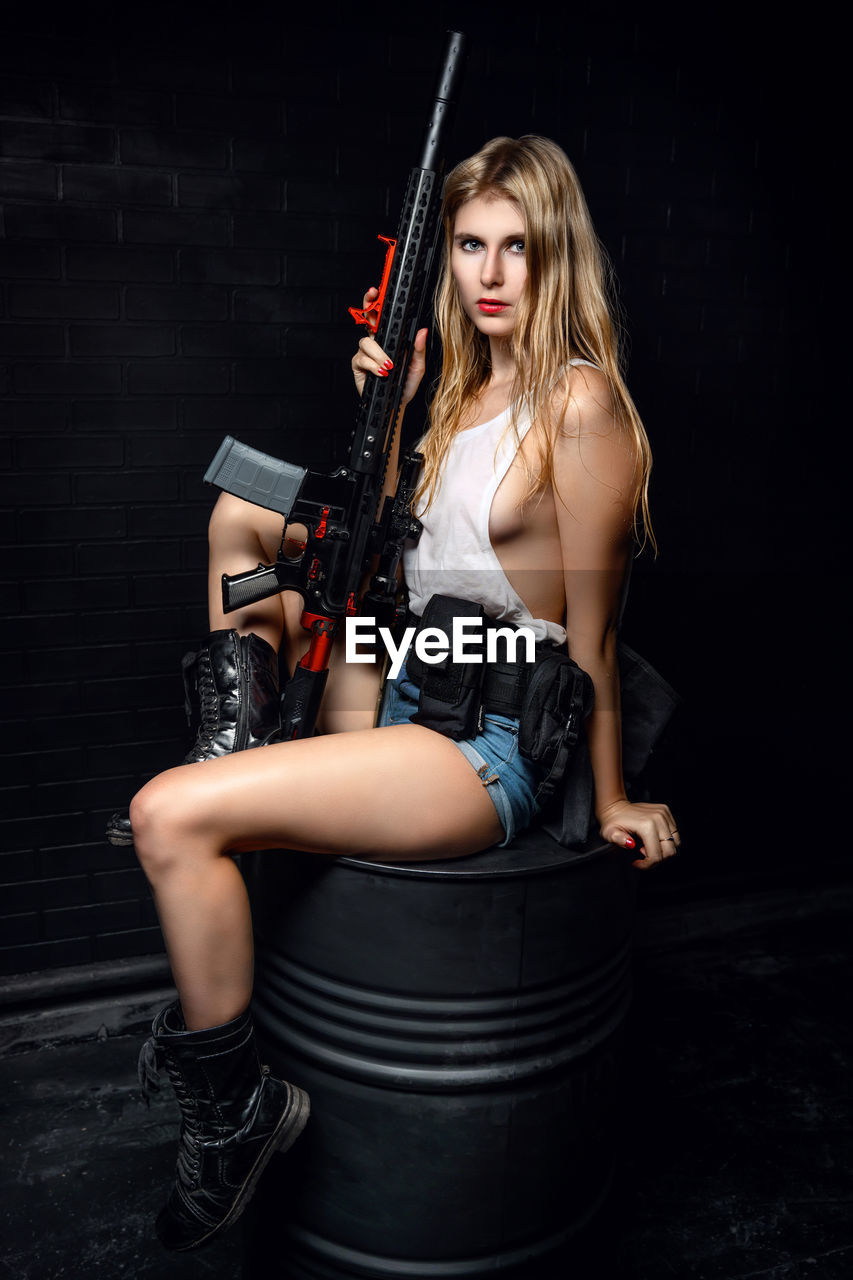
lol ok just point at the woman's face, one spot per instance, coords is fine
(488, 263)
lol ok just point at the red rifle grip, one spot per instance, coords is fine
(371, 315)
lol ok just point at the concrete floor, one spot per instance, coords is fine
(738, 1144)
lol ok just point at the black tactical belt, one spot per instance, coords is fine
(550, 697)
(504, 683)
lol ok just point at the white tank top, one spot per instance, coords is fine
(454, 555)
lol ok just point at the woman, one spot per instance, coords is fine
(534, 481)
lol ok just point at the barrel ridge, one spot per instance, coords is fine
(440, 1044)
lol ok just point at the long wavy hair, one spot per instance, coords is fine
(568, 311)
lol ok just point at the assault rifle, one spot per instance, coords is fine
(339, 510)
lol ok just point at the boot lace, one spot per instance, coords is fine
(209, 706)
(152, 1058)
(189, 1145)
(148, 1068)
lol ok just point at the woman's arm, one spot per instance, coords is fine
(370, 358)
(595, 476)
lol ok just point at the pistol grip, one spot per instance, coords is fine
(240, 589)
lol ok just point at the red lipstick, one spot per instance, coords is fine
(491, 306)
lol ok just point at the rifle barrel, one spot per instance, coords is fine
(449, 80)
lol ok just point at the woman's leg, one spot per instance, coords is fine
(240, 535)
(401, 792)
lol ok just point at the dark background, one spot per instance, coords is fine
(190, 202)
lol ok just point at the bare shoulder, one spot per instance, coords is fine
(584, 388)
(591, 446)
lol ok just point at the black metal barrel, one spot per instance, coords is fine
(457, 1026)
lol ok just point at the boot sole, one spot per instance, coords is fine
(288, 1129)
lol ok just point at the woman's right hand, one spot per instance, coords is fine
(370, 358)
(651, 826)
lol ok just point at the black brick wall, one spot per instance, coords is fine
(188, 209)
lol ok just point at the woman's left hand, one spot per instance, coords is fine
(649, 827)
(370, 358)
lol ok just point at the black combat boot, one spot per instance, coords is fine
(234, 1115)
(232, 700)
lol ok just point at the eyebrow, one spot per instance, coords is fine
(472, 235)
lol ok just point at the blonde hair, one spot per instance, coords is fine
(567, 311)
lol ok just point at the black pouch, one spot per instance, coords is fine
(450, 692)
(558, 699)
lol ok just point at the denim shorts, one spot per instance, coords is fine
(510, 779)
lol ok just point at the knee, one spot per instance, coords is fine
(229, 513)
(164, 819)
(236, 525)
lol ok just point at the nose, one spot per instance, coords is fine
(491, 271)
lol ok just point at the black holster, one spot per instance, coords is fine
(558, 699)
(450, 692)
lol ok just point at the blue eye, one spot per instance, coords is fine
(517, 246)
(470, 245)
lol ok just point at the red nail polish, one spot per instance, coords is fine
(389, 364)
(630, 843)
